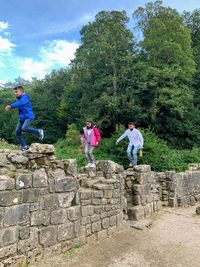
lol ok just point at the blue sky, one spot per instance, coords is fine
(37, 36)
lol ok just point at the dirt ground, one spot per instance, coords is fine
(172, 241)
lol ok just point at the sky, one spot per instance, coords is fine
(37, 36)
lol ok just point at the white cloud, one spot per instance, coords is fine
(57, 53)
(3, 25)
(6, 46)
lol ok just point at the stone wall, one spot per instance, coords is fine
(180, 189)
(142, 192)
(46, 206)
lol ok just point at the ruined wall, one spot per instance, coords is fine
(180, 189)
(46, 206)
(142, 192)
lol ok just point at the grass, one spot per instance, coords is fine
(5, 145)
(72, 251)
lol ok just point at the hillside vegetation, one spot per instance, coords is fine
(114, 79)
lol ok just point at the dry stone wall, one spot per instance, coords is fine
(46, 206)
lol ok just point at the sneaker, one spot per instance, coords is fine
(92, 165)
(88, 165)
(25, 148)
(41, 134)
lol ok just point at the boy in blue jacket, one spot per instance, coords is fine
(26, 116)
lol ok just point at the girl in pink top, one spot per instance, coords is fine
(90, 139)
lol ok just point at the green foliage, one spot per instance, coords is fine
(156, 152)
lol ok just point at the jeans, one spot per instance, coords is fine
(89, 153)
(132, 153)
(23, 126)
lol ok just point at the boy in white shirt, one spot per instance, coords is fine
(136, 142)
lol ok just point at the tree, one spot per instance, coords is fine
(169, 68)
(103, 77)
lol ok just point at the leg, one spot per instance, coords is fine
(87, 152)
(90, 153)
(129, 152)
(19, 134)
(135, 151)
(26, 128)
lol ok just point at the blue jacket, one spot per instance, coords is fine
(24, 106)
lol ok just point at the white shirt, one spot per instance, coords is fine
(134, 136)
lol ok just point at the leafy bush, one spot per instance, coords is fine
(156, 152)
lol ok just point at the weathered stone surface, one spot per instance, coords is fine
(96, 227)
(142, 168)
(40, 217)
(41, 148)
(74, 213)
(58, 216)
(8, 251)
(40, 178)
(198, 210)
(24, 232)
(31, 195)
(105, 223)
(19, 159)
(142, 224)
(66, 232)
(23, 181)
(65, 199)
(108, 166)
(62, 183)
(50, 202)
(6, 183)
(48, 236)
(29, 244)
(8, 236)
(87, 210)
(16, 215)
(8, 198)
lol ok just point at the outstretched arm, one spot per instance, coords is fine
(121, 137)
(19, 103)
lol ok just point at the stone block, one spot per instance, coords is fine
(17, 214)
(24, 232)
(50, 202)
(15, 261)
(73, 213)
(34, 206)
(66, 199)
(113, 220)
(28, 244)
(66, 232)
(103, 186)
(96, 226)
(8, 236)
(96, 201)
(85, 194)
(48, 236)
(87, 211)
(23, 181)
(85, 220)
(108, 166)
(6, 183)
(59, 182)
(8, 251)
(105, 223)
(70, 166)
(95, 218)
(19, 159)
(41, 148)
(40, 178)
(8, 198)
(136, 213)
(40, 217)
(142, 168)
(58, 216)
(107, 193)
(31, 195)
